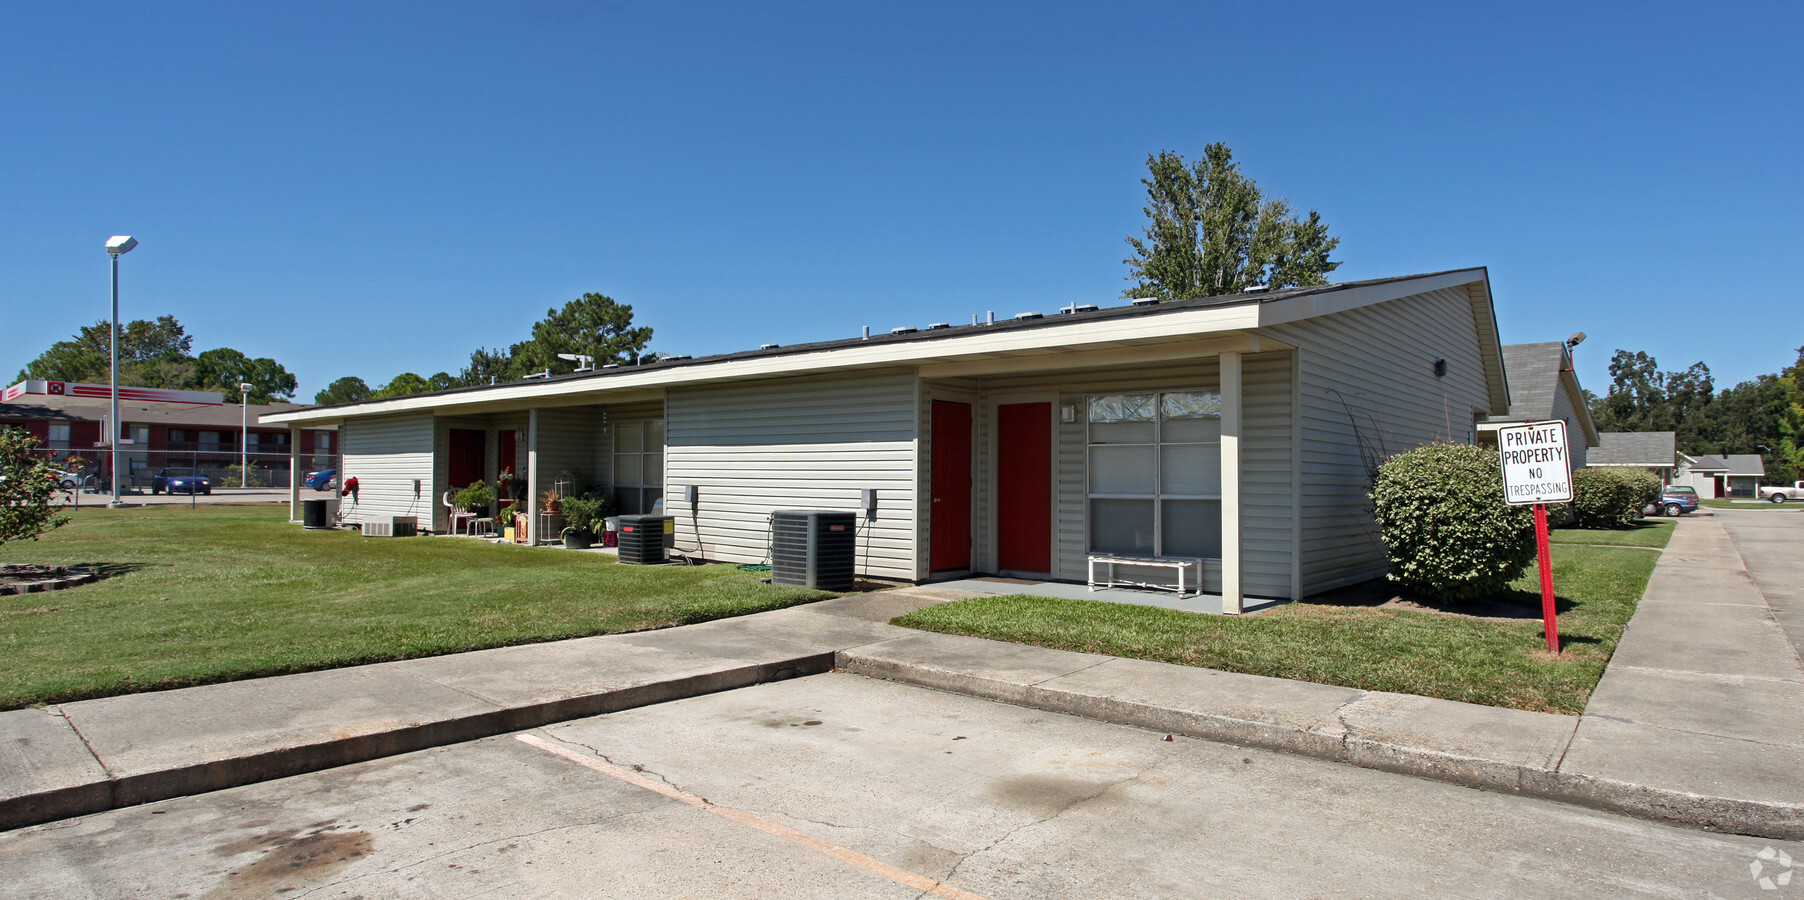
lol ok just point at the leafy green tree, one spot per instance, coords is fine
(224, 369)
(402, 385)
(1212, 232)
(143, 344)
(349, 389)
(486, 365)
(442, 381)
(26, 486)
(592, 325)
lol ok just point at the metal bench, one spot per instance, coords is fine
(1179, 563)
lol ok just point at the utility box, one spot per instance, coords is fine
(642, 539)
(317, 514)
(391, 526)
(814, 548)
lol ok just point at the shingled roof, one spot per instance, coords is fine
(1649, 449)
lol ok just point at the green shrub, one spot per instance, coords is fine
(475, 498)
(1611, 497)
(1450, 535)
(581, 513)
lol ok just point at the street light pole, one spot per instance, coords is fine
(244, 434)
(115, 247)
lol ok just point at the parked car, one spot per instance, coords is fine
(321, 480)
(1780, 494)
(1674, 501)
(180, 480)
(66, 480)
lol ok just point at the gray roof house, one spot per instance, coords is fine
(1543, 387)
(1655, 451)
(1239, 430)
(1736, 474)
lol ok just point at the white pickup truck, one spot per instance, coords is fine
(1781, 494)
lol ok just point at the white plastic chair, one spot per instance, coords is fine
(454, 513)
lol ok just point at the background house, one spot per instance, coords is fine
(1733, 475)
(165, 427)
(1544, 387)
(1654, 451)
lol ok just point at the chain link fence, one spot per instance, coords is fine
(90, 471)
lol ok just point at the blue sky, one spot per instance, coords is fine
(372, 188)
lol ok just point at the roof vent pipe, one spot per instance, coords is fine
(867, 332)
(992, 318)
(1146, 301)
(769, 346)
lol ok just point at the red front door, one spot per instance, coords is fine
(1024, 487)
(506, 452)
(465, 467)
(950, 523)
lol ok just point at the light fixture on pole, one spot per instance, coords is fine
(116, 246)
(244, 434)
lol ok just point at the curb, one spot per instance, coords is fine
(1781, 821)
(131, 790)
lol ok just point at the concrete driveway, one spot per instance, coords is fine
(837, 786)
(1772, 547)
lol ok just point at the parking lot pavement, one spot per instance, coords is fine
(219, 495)
(839, 786)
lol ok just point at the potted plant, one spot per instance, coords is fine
(504, 484)
(476, 498)
(580, 514)
(550, 501)
(506, 518)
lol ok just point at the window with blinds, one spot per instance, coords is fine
(1154, 474)
(638, 465)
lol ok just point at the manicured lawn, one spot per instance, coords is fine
(1720, 503)
(227, 592)
(1498, 663)
(1643, 533)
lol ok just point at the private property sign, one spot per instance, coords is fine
(1537, 467)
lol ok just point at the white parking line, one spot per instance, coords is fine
(851, 857)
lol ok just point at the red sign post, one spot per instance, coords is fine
(1537, 470)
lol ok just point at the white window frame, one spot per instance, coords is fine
(1158, 496)
(648, 493)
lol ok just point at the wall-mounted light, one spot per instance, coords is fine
(1068, 413)
(1440, 368)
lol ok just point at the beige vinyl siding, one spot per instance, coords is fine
(1367, 391)
(1268, 506)
(795, 443)
(386, 455)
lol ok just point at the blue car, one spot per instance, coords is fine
(1675, 501)
(321, 480)
(180, 481)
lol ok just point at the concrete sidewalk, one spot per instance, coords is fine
(93, 755)
(1695, 720)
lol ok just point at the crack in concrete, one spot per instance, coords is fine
(104, 768)
(635, 767)
(1070, 673)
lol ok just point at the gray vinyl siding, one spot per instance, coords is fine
(1268, 507)
(386, 455)
(795, 443)
(1575, 433)
(1368, 391)
(567, 447)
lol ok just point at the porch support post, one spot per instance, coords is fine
(294, 473)
(532, 478)
(1231, 602)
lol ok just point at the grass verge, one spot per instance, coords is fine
(1489, 661)
(227, 592)
(1641, 533)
